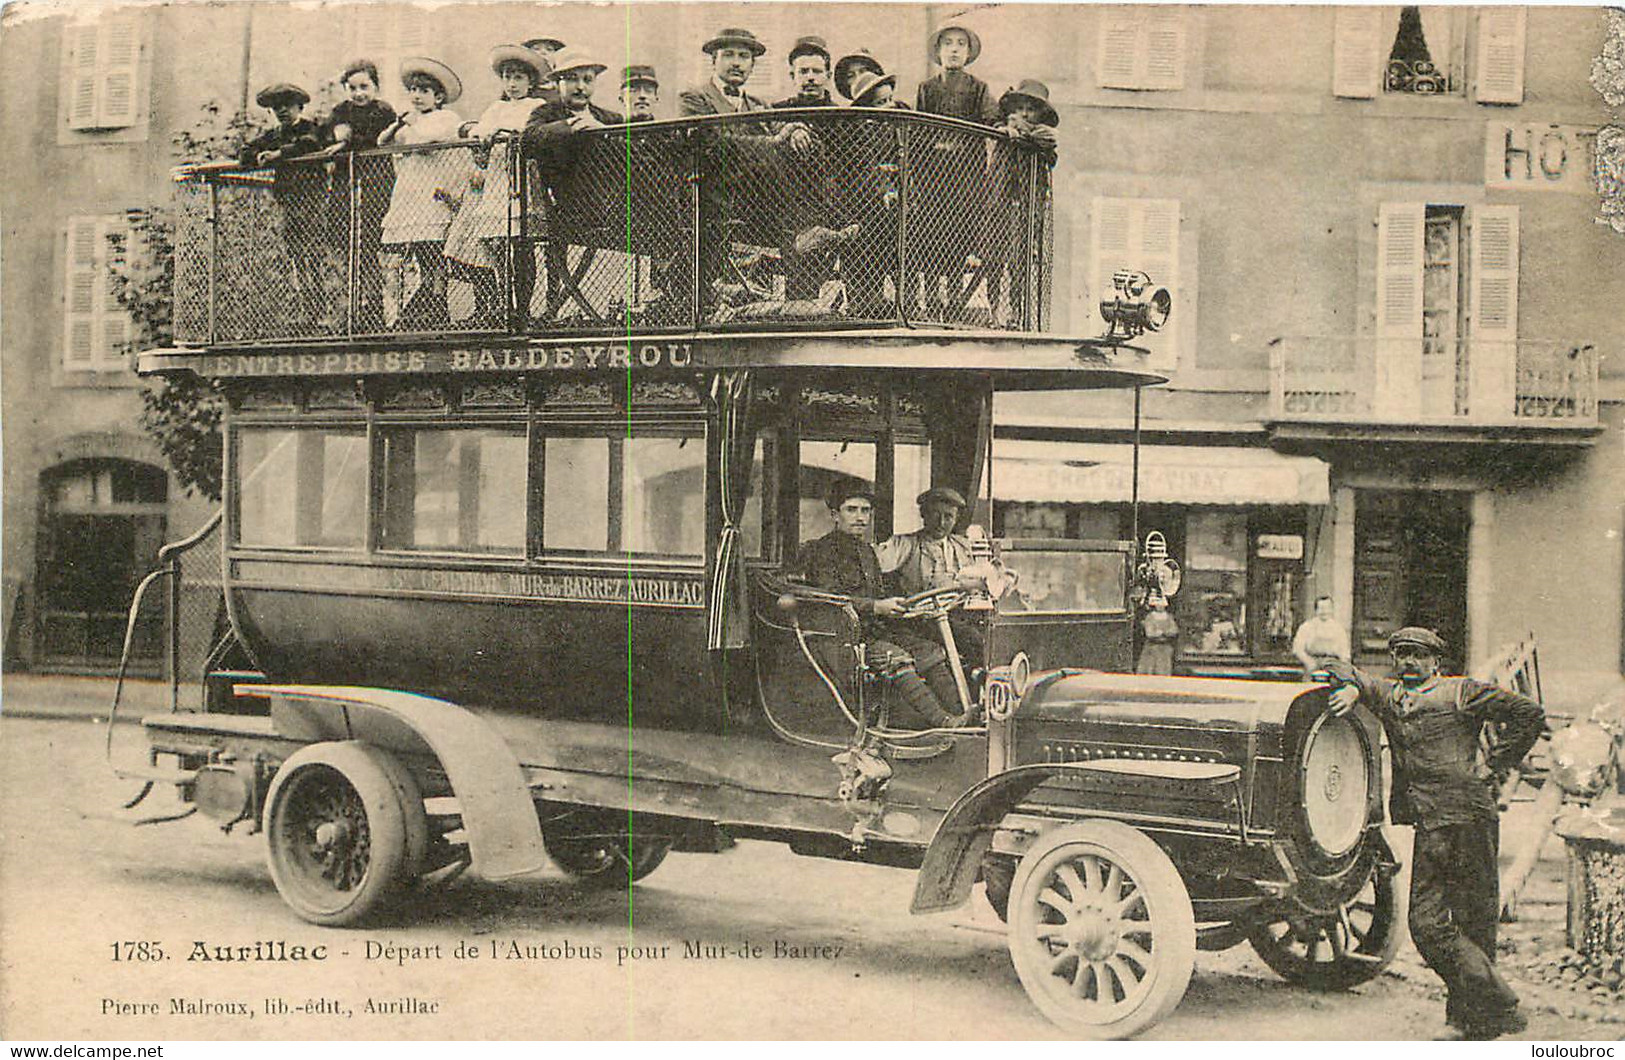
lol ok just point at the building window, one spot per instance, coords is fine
(1142, 48)
(1446, 307)
(1138, 235)
(1425, 51)
(102, 86)
(455, 490)
(96, 329)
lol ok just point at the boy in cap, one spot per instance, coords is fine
(1029, 120)
(299, 189)
(1447, 787)
(640, 92)
(843, 561)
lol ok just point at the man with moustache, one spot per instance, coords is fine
(809, 70)
(1446, 786)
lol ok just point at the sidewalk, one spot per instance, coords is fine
(73, 697)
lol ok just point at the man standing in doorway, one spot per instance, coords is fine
(1446, 787)
(1320, 638)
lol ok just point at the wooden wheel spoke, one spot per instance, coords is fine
(1081, 976)
(1058, 962)
(1134, 952)
(1127, 978)
(1134, 899)
(1091, 872)
(1049, 897)
(1068, 876)
(1114, 883)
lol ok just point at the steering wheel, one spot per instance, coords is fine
(934, 602)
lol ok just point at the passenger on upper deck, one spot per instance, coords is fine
(355, 125)
(843, 561)
(299, 189)
(848, 66)
(640, 92)
(809, 69)
(810, 198)
(1030, 119)
(867, 193)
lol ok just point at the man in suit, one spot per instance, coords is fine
(563, 156)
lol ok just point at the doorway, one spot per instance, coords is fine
(102, 522)
(1410, 569)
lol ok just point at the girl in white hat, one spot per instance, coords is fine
(427, 184)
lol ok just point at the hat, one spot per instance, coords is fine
(514, 53)
(281, 90)
(808, 46)
(552, 44)
(635, 74)
(741, 38)
(849, 65)
(1030, 92)
(450, 83)
(866, 81)
(575, 59)
(844, 489)
(943, 494)
(1417, 636)
(975, 41)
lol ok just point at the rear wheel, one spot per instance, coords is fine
(598, 849)
(1334, 951)
(345, 831)
(1101, 929)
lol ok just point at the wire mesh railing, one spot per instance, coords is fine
(818, 217)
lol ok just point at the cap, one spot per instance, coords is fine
(639, 75)
(1418, 637)
(943, 494)
(808, 46)
(269, 95)
(844, 489)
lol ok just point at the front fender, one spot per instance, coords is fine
(504, 832)
(966, 832)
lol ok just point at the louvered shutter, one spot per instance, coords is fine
(120, 48)
(1500, 54)
(1119, 37)
(80, 319)
(1397, 392)
(81, 80)
(386, 34)
(1357, 52)
(1163, 48)
(1141, 48)
(1493, 309)
(1141, 235)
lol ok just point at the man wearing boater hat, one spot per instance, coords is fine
(1447, 787)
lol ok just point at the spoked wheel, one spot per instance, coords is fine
(345, 830)
(1334, 951)
(1101, 929)
(598, 850)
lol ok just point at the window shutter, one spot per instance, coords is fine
(120, 48)
(80, 82)
(1493, 309)
(1165, 48)
(1119, 43)
(79, 321)
(1357, 52)
(1142, 235)
(1397, 391)
(1500, 54)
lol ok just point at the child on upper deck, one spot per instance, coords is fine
(355, 125)
(298, 188)
(427, 184)
(955, 92)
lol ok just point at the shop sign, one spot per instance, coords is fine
(1280, 546)
(1524, 156)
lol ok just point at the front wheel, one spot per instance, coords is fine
(345, 831)
(1334, 951)
(1101, 929)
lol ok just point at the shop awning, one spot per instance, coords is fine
(1089, 473)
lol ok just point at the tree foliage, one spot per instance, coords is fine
(181, 414)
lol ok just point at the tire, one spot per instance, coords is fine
(345, 831)
(997, 876)
(595, 849)
(1101, 929)
(1313, 949)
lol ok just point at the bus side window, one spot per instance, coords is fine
(459, 490)
(325, 474)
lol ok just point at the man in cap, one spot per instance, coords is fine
(1446, 786)
(300, 189)
(733, 55)
(843, 561)
(547, 48)
(934, 557)
(640, 92)
(809, 71)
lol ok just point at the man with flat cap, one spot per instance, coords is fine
(809, 72)
(843, 561)
(934, 557)
(300, 190)
(1446, 786)
(640, 92)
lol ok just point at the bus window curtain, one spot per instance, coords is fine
(728, 608)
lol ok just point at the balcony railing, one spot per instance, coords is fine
(1429, 380)
(819, 217)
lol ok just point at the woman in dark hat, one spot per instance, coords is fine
(847, 67)
(1029, 121)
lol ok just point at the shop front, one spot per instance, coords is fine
(1249, 528)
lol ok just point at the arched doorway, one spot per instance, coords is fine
(102, 522)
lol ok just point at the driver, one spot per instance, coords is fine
(843, 561)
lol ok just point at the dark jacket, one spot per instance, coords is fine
(958, 95)
(301, 182)
(365, 122)
(797, 101)
(843, 564)
(708, 99)
(556, 145)
(1441, 774)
